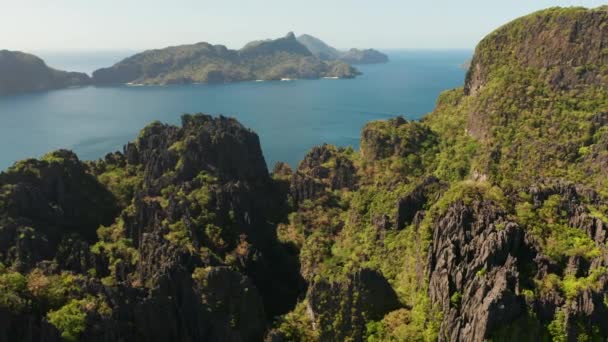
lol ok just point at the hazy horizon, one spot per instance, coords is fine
(71, 25)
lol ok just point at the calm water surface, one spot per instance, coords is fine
(289, 117)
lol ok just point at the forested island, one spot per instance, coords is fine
(21, 72)
(279, 59)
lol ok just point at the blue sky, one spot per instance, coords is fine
(39, 25)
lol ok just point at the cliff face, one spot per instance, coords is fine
(566, 44)
(21, 72)
(553, 53)
(263, 60)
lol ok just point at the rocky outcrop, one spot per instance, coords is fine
(341, 309)
(48, 203)
(324, 168)
(395, 138)
(428, 191)
(474, 276)
(195, 199)
(330, 165)
(219, 159)
(21, 72)
(482, 266)
(235, 302)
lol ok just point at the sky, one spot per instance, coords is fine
(58, 25)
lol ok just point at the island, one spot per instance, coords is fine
(353, 56)
(279, 59)
(22, 72)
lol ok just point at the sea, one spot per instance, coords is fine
(290, 117)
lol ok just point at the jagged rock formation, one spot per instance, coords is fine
(21, 72)
(198, 198)
(323, 168)
(428, 191)
(474, 271)
(47, 202)
(341, 309)
(353, 56)
(205, 63)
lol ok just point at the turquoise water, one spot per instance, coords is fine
(289, 117)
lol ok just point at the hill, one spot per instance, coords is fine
(21, 72)
(353, 56)
(319, 48)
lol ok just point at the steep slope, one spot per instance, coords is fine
(21, 72)
(202, 62)
(318, 47)
(489, 217)
(353, 56)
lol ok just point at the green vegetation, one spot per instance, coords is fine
(114, 244)
(557, 327)
(549, 225)
(122, 182)
(71, 318)
(514, 126)
(12, 290)
(296, 325)
(205, 63)
(53, 291)
(22, 72)
(55, 295)
(455, 299)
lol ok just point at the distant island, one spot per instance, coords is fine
(286, 58)
(279, 59)
(21, 72)
(353, 56)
